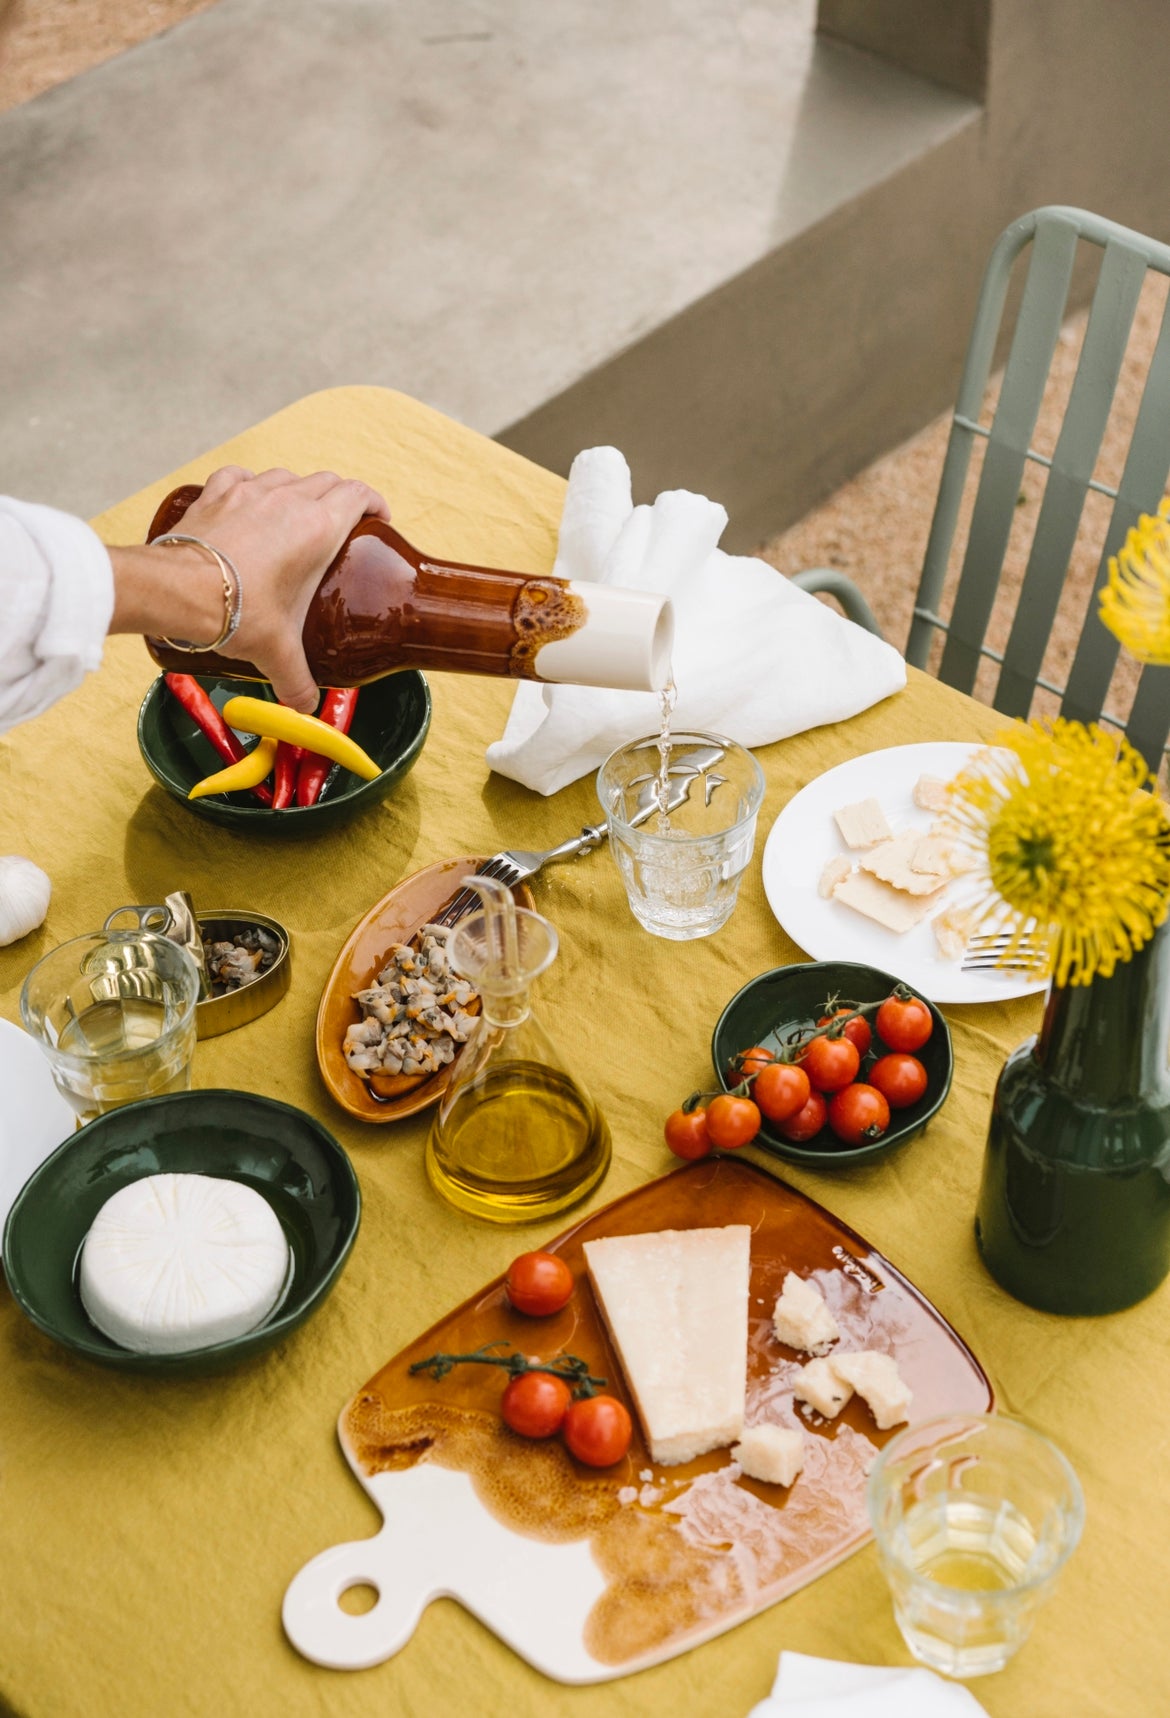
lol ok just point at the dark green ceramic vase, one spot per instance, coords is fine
(1074, 1210)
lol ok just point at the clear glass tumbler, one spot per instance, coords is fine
(975, 1515)
(682, 865)
(115, 1015)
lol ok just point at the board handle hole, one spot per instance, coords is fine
(358, 1598)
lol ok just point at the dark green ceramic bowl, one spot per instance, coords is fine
(775, 1004)
(390, 723)
(279, 1151)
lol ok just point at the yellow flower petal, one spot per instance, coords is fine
(1135, 604)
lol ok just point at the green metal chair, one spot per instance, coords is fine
(1053, 234)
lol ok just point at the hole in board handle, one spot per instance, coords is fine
(358, 1598)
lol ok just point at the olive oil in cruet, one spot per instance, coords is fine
(516, 1137)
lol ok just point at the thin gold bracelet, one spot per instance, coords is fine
(233, 595)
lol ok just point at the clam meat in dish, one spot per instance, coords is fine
(417, 1014)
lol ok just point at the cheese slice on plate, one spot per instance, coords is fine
(886, 906)
(676, 1303)
(176, 1262)
(898, 862)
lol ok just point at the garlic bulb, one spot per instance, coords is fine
(24, 898)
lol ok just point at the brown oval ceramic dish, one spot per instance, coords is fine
(395, 919)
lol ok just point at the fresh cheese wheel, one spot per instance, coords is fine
(176, 1262)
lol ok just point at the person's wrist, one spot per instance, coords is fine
(175, 591)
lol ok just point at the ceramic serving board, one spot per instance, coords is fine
(592, 1574)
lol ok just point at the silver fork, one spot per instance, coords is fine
(513, 866)
(983, 952)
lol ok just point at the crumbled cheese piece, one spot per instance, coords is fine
(878, 1382)
(774, 1454)
(676, 1303)
(627, 1495)
(930, 793)
(836, 871)
(893, 862)
(863, 824)
(891, 908)
(801, 1319)
(952, 931)
(819, 1385)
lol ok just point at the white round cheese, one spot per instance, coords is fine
(176, 1262)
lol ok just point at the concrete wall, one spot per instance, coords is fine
(771, 391)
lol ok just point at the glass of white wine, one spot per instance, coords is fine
(115, 1015)
(975, 1515)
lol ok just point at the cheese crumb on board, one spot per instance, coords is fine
(819, 1385)
(774, 1454)
(178, 1262)
(676, 1303)
(801, 1319)
(930, 793)
(878, 1382)
(835, 871)
(894, 862)
(886, 906)
(863, 824)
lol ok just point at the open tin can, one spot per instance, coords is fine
(216, 1014)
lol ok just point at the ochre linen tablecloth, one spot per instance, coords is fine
(148, 1530)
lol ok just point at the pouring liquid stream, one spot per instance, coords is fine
(667, 699)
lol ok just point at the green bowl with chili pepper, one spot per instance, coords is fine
(390, 723)
(777, 1004)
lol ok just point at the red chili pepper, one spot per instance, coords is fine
(284, 774)
(337, 709)
(209, 721)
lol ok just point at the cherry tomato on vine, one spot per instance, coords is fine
(857, 1031)
(904, 1025)
(806, 1122)
(535, 1404)
(901, 1079)
(597, 1430)
(750, 1062)
(539, 1284)
(859, 1114)
(780, 1090)
(686, 1133)
(731, 1121)
(830, 1063)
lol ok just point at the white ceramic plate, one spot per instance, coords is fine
(34, 1117)
(804, 836)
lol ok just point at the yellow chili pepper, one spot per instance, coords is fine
(277, 722)
(250, 771)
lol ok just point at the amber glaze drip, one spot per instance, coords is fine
(691, 1551)
(382, 605)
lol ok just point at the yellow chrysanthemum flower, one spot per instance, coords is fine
(1135, 604)
(1062, 830)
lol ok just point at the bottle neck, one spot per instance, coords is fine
(1109, 1041)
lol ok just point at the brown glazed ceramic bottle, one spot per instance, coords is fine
(383, 605)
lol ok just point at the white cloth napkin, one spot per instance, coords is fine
(824, 1688)
(755, 657)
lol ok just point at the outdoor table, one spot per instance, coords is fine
(148, 1529)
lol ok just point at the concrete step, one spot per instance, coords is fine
(563, 222)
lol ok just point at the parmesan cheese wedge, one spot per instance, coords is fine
(801, 1318)
(878, 1382)
(892, 908)
(676, 1304)
(863, 824)
(772, 1453)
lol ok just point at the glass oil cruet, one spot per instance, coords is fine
(516, 1137)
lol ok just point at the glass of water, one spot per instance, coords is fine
(115, 1015)
(975, 1516)
(682, 813)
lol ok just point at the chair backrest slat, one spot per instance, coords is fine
(1033, 344)
(1149, 720)
(1119, 286)
(1143, 482)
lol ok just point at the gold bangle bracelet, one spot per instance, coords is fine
(233, 596)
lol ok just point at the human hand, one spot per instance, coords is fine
(281, 532)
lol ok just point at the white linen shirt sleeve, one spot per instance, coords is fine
(56, 603)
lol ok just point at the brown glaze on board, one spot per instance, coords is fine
(395, 919)
(690, 1551)
(383, 605)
